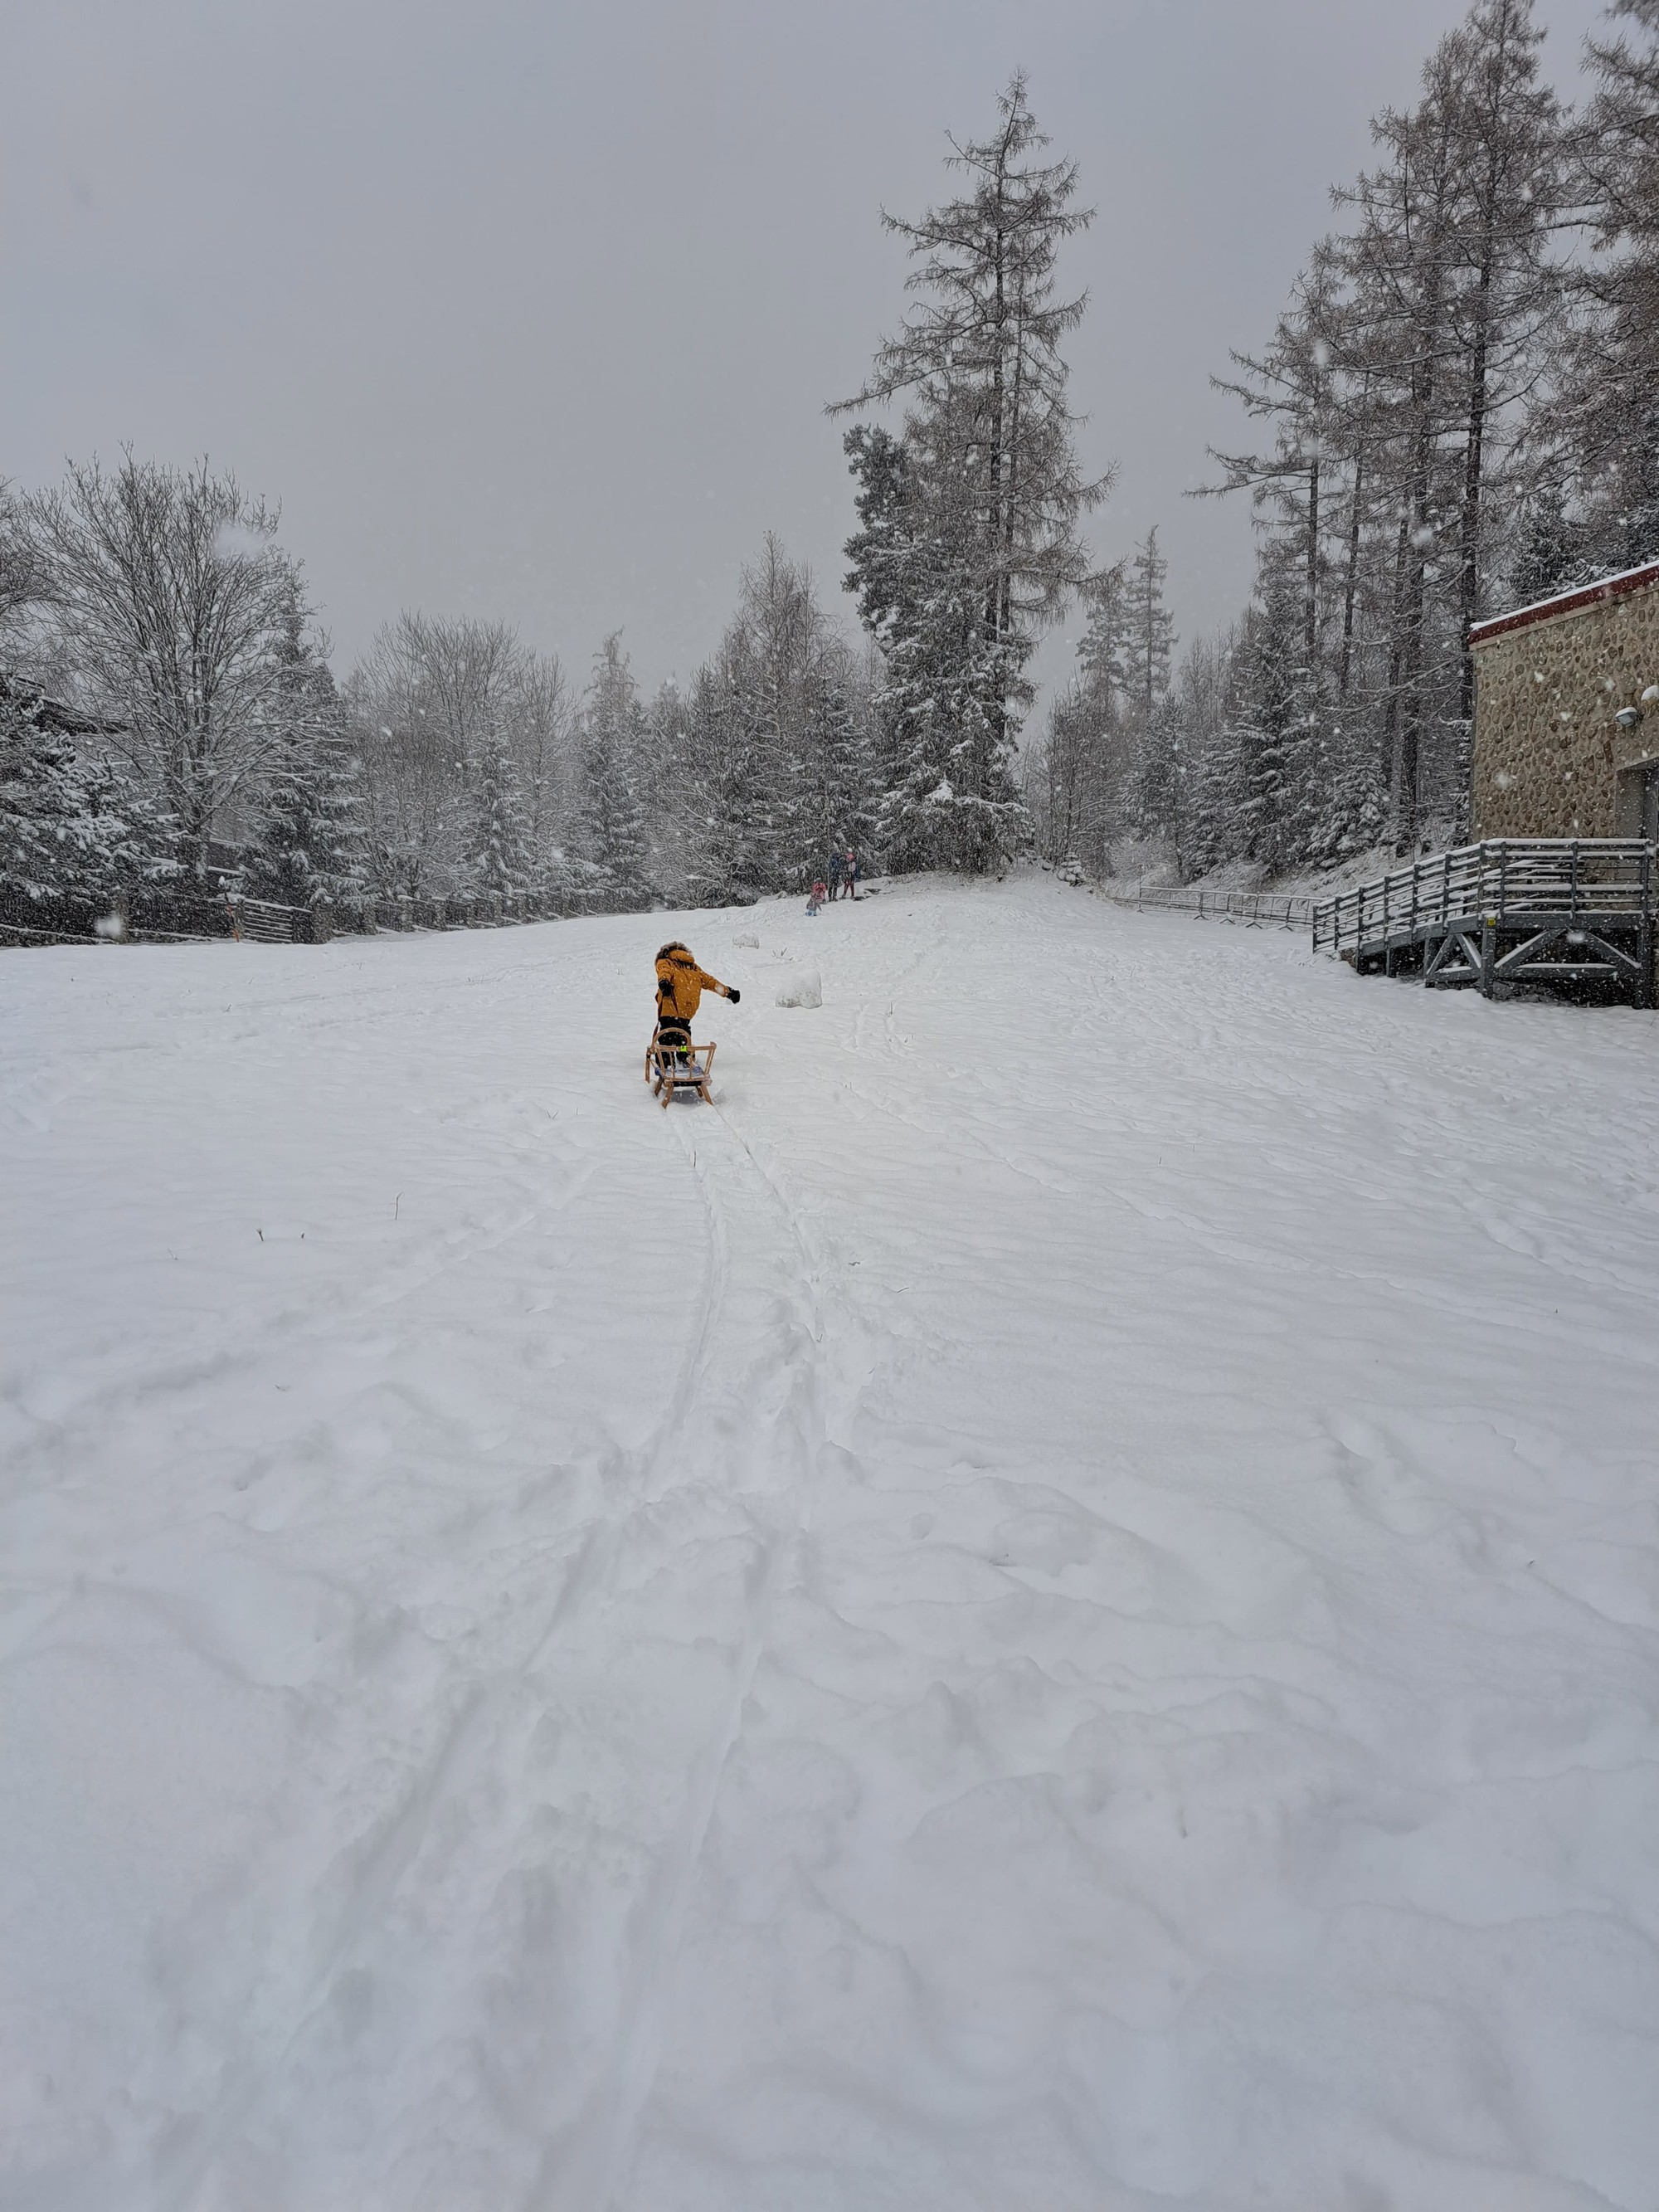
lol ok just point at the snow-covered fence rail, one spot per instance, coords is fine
(268, 923)
(1256, 909)
(149, 916)
(171, 917)
(1509, 909)
(484, 910)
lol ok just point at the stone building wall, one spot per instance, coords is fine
(1550, 760)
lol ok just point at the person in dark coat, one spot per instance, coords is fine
(838, 868)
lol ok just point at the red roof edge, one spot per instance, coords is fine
(1567, 602)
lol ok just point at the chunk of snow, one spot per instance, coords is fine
(804, 988)
(237, 541)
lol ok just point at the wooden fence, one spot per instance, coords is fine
(170, 918)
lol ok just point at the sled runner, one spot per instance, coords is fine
(671, 1069)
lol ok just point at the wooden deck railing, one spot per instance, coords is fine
(1499, 879)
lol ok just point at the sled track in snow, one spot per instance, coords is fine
(584, 2164)
(585, 2171)
(588, 1567)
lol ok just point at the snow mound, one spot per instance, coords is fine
(802, 989)
(747, 942)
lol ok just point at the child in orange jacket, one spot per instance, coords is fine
(680, 986)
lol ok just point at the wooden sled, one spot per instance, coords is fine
(668, 1072)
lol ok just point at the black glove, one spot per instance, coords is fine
(734, 996)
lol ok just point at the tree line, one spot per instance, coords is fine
(1457, 411)
(169, 717)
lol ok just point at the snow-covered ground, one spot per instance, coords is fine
(1052, 1606)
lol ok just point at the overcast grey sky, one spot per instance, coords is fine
(531, 310)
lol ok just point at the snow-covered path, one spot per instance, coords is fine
(1054, 1606)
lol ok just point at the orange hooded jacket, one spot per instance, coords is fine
(681, 984)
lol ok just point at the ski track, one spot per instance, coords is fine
(1057, 1602)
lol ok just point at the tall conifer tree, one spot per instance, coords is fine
(610, 764)
(975, 521)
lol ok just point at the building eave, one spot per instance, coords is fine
(1605, 588)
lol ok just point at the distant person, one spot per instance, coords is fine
(853, 872)
(837, 866)
(680, 986)
(815, 896)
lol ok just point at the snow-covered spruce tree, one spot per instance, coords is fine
(1149, 636)
(75, 828)
(726, 847)
(949, 796)
(305, 844)
(808, 739)
(1156, 733)
(972, 522)
(609, 768)
(1103, 650)
(922, 606)
(768, 654)
(1216, 827)
(766, 761)
(498, 842)
(1162, 771)
(1105, 725)
(1550, 546)
(1274, 726)
(839, 788)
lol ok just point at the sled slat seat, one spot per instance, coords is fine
(668, 1072)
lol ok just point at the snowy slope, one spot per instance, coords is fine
(1052, 1607)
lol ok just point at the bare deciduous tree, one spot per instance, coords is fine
(168, 591)
(22, 584)
(435, 705)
